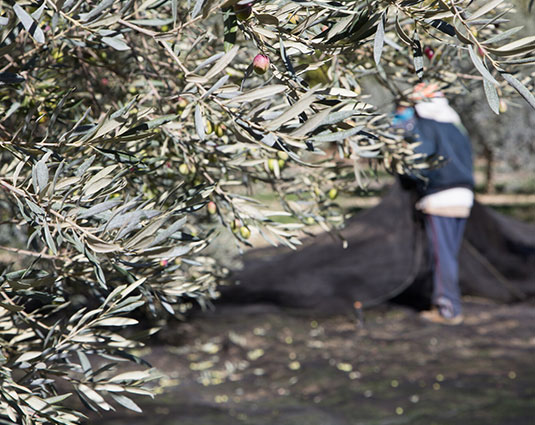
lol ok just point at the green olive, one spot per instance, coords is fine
(245, 232)
(333, 193)
(183, 169)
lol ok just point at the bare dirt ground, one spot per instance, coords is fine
(261, 366)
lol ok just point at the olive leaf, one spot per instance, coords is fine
(29, 24)
(417, 56)
(379, 40)
(520, 88)
(116, 42)
(492, 96)
(199, 122)
(476, 60)
(197, 8)
(492, 5)
(230, 22)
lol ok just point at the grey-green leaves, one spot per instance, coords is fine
(230, 22)
(29, 24)
(116, 42)
(379, 40)
(417, 55)
(480, 66)
(199, 122)
(492, 95)
(40, 172)
(520, 88)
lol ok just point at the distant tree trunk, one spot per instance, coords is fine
(488, 153)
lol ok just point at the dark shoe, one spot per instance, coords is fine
(434, 316)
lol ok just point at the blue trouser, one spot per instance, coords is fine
(445, 235)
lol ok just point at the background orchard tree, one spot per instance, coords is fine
(505, 143)
(132, 132)
(507, 140)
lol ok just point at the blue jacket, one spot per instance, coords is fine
(444, 140)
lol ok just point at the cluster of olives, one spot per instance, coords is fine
(237, 226)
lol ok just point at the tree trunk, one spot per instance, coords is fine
(489, 169)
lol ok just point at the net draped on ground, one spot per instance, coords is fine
(387, 258)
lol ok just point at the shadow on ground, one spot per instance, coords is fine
(273, 367)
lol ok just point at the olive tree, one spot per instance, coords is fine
(133, 132)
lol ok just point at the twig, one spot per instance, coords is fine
(32, 254)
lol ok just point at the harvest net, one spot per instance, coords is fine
(387, 258)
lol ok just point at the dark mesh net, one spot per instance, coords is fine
(386, 259)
